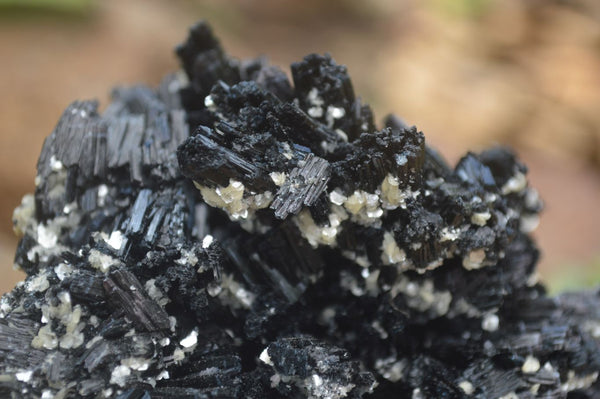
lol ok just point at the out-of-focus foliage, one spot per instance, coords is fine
(573, 276)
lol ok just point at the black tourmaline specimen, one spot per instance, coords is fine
(232, 234)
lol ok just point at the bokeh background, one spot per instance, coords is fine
(468, 73)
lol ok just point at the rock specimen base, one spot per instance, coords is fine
(233, 234)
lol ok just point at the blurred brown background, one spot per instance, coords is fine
(469, 73)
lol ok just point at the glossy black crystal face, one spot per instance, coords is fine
(233, 234)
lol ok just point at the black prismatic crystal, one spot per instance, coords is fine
(232, 234)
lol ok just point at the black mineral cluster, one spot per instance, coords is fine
(232, 234)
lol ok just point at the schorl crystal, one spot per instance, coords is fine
(233, 234)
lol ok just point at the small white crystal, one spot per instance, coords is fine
(374, 213)
(449, 234)
(190, 340)
(317, 380)
(244, 296)
(46, 236)
(155, 293)
(209, 102)
(337, 197)
(474, 259)
(23, 215)
(55, 164)
(178, 355)
(101, 261)
(278, 178)
(417, 394)
(480, 218)
(136, 363)
(342, 134)
(578, 382)
(467, 387)
(401, 159)
(213, 289)
(515, 184)
(531, 365)
(314, 98)
(315, 112)
(490, 322)
(334, 113)
(163, 375)
(265, 358)
(529, 223)
(4, 307)
(119, 375)
(392, 254)
(102, 193)
(207, 241)
(38, 283)
(63, 270)
(115, 240)
(24, 375)
(45, 338)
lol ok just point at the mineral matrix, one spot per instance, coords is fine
(231, 235)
